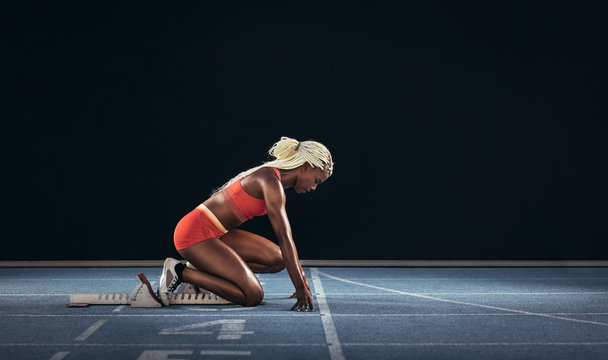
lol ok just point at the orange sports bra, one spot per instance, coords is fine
(243, 205)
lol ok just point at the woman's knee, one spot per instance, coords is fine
(277, 264)
(253, 295)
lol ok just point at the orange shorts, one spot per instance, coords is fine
(198, 225)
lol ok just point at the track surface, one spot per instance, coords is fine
(361, 313)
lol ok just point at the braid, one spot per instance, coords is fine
(290, 154)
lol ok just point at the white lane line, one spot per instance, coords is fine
(119, 308)
(385, 294)
(165, 345)
(462, 314)
(39, 294)
(59, 355)
(242, 308)
(189, 314)
(463, 302)
(197, 308)
(226, 352)
(133, 279)
(459, 293)
(335, 349)
(90, 330)
(152, 345)
(421, 278)
(162, 354)
(484, 344)
(518, 293)
(274, 314)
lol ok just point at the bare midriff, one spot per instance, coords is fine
(221, 210)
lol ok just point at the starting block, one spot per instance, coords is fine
(144, 296)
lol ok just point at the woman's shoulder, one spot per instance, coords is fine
(266, 173)
(262, 175)
(260, 181)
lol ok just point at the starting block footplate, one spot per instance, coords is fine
(144, 296)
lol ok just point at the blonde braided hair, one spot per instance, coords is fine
(289, 154)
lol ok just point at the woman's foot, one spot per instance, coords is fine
(168, 280)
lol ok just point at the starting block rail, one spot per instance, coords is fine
(144, 296)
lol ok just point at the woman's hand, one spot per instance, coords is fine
(307, 286)
(304, 300)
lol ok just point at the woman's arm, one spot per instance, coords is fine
(274, 196)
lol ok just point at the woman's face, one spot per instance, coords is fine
(308, 178)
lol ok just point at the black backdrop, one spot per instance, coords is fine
(459, 130)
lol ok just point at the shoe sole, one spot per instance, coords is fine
(162, 296)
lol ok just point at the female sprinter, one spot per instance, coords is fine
(224, 258)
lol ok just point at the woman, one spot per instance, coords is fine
(225, 258)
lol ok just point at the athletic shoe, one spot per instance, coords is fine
(168, 281)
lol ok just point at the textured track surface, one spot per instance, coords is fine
(414, 313)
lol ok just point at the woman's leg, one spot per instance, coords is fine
(260, 254)
(221, 270)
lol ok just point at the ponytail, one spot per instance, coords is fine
(289, 154)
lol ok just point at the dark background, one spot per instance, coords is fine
(459, 130)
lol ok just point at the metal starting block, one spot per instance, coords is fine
(144, 296)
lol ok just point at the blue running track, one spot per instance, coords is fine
(361, 313)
